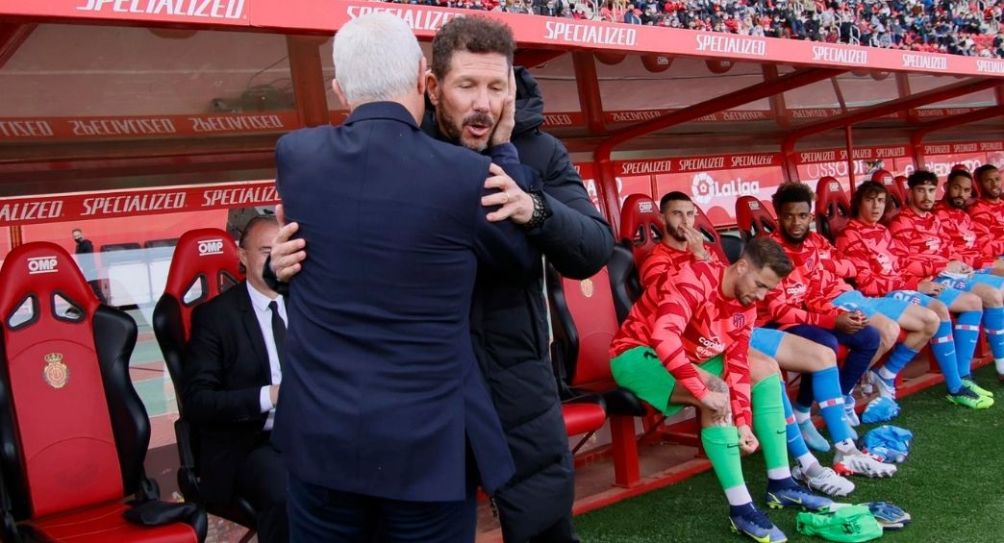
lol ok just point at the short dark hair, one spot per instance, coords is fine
(789, 193)
(978, 172)
(865, 190)
(762, 252)
(675, 196)
(959, 173)
(473, 34)
(922, 177)
(252, 224)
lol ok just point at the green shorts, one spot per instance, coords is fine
(640, 371)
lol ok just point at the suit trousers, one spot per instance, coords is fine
(317, 513)
(262, 481)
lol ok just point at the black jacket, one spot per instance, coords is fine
(225, 367)
(510, 330)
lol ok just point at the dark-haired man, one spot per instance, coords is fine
(923, 237)
(988, 211)
(682, 246)
(470, 84)
(687, 342)
(981, 252)
(882, 271)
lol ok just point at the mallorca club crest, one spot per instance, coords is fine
(56, 373)
(738, 320)
(586, 286)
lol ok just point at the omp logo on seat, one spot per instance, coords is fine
(42, 264)
(834, 185)
(645, 206)
(210, 247)
(754, 206)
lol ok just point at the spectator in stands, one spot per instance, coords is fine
(233, 369)
(86, 261)
(381, 366)
(509, 325)
(687, 342)
(920, 230)
(884, 267)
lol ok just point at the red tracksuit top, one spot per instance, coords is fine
(689, 320)
(805, 296)
(878, 260)
(988, 218)
(923, 238)
(976, 250)
(664, 261)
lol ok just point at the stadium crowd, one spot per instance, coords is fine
(970, 28)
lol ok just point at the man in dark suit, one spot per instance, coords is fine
(232, 373)
(86, 261)
(385, 423)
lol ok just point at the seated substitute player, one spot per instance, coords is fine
(881, 271)
(922, 237)
(988, 211)
(686, 341)
(805, 304)
(684, 245)
(982, 252)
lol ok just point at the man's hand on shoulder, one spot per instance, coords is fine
(515, 204)
(286, 254)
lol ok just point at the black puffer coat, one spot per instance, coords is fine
(510, 333)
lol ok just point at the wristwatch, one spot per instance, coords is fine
(540, 211)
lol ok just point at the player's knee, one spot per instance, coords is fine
(888, 334)
(762, 367)
(821, 357)
(930, 321)
(969, 302)
(940, 310)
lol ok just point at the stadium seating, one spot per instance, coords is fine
(833, 208)
(704, 225)
(895, 199)
(641, 225)
(584, 323)
(205, 263)
(753, 218)
(73, 431)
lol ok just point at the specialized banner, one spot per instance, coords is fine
(695, 164)
(820, 156)
(130, 127)
(195, 12)
(106, 204)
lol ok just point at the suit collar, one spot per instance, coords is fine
(382, 110)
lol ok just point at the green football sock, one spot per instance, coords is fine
(768, 422)
(721, 444)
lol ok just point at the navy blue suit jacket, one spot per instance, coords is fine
(381, 392)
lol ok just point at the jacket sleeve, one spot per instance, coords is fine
(205, 399)
(575, 238)
(676, 307)
(853, 246)
(737, 377)
(502, 246)
(782, 312)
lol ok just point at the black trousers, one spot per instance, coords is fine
(263, 481)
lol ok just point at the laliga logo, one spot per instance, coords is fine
(704, 188)
(42, 264)
(211, 247)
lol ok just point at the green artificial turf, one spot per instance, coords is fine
(952, 484)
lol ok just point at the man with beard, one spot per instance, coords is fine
(980, 252)
(882, 272)
(684, 245)
(923, 238)
(687, 342)
(480, 102)
(988, 211)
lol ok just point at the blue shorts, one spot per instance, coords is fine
(766, 340)
(966, 285)
(947, 296)
(890, 306)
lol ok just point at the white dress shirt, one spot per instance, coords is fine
(259, 302)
